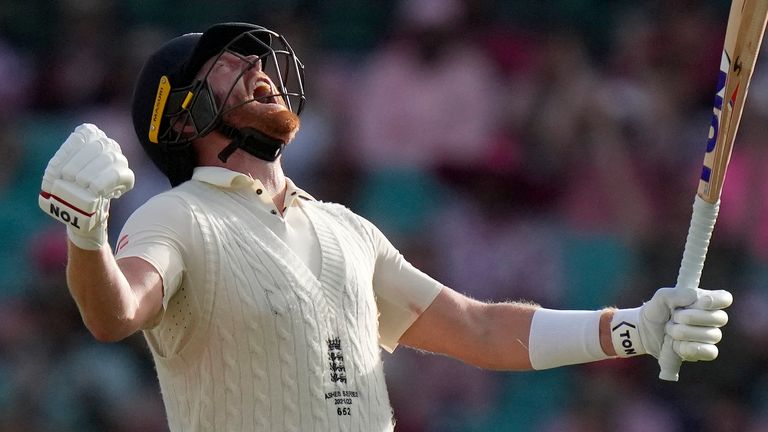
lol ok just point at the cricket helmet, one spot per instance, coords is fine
(171, 106)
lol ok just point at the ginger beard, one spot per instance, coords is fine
(278, 123)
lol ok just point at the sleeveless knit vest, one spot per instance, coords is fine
(269, 346)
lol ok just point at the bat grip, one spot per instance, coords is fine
(691, 266)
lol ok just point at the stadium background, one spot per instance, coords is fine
(514, 150)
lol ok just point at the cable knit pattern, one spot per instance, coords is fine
(207, 408)
(336, 281)
(200, 380)
(336, 225)
(333, 280)
(238, 246)
(313, 309)
(258, 355)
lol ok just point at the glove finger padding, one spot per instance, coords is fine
(85, 156)
(53, 170)
(695, 329)
(115, 180)
(712, 299)
(695, 351)
(659, 308)
(93, 168)
(688, 333)
(89, 132)
(698, 317)
(107, 175)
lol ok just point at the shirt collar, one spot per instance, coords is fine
(228, 179)
(222, 177)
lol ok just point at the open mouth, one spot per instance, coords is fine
(263, 93)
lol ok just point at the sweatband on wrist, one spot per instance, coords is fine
(561, 337)
(625, 333)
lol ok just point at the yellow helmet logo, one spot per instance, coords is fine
(163, 89)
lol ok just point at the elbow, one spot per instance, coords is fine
(105, 336)
(511, 365)
(108, 333)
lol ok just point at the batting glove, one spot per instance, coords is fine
(690, 317)
(86, 172)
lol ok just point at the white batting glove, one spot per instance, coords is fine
(86, 172)
(691, 317)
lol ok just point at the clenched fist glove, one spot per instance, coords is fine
(690, 318)
(86, 172)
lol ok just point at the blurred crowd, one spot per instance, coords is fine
(546, 151)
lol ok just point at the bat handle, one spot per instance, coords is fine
(694, 254)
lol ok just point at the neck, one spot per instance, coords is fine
(270, 174)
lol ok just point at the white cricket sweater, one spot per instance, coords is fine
(263, 344)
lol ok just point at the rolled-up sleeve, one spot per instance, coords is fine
(403, 292)
(157, 233)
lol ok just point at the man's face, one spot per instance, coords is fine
(248, 96)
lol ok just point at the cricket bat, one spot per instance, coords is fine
(743, 37)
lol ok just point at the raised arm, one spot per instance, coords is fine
(85, 173)
(521, 336)
(114, 299)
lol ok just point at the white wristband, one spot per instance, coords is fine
(560, 338)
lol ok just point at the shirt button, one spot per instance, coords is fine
(258, 191)
(274, 212)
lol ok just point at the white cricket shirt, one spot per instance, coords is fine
(271, 322)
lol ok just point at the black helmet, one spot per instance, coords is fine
(168, 97)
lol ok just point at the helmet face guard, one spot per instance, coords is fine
(174, 103)
(195, 107)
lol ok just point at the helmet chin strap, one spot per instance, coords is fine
(251, 141)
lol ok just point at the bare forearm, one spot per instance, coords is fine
(103, 295)
(498, 335)
(490, 336)
(501, 336)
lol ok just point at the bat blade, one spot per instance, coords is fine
(744, 35)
